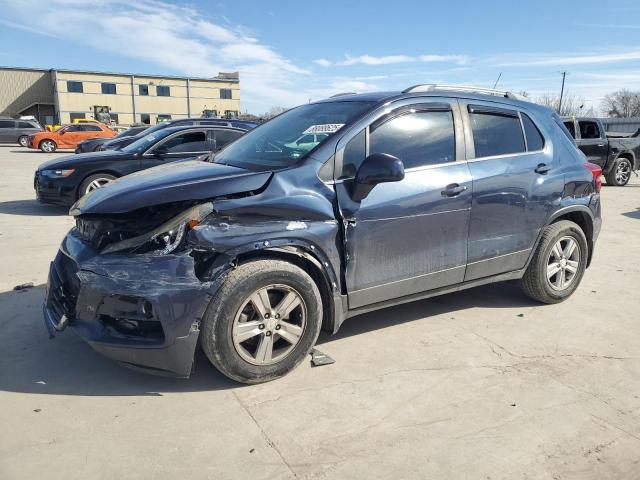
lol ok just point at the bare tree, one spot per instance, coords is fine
(622, 104)
(571, 104)
(274, 111)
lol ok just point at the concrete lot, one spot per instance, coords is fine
(483, 384)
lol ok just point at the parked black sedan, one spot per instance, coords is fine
(64, 180)
(93, 144)
(118, 143)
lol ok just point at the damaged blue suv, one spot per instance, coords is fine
(330, 210)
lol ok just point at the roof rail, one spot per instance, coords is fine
(432, 87)
(341, 94)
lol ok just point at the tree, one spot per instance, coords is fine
(622, 104)
(571, 104)
(274, 111)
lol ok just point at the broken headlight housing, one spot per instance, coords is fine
(167, 237)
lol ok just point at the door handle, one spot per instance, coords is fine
(453, 189)
(542, 168)
(601, 144)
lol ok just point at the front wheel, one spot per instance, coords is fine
(620, 173)
(93, 182)
(23, 141)
(262, 322)
(558, 263)
(48, 146)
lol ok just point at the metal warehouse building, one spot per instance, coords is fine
(60, 96)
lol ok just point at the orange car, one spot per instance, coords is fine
(68, 136)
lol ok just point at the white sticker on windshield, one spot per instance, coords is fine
(325, 128)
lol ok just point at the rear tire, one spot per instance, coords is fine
(48, 146)
(93, 182)
(620, 173)
(558, 263)
(237, 311)
(23, 141)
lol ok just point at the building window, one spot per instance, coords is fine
(230, 114)
(76, 116)
(143, 90)
(163, 91)
(225, 93)
(145, 118)
(109, 88)
(163, 118)
(74, 87)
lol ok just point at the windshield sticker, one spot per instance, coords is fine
(325, 128)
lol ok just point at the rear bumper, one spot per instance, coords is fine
(141, 311)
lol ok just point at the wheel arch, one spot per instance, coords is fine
(308, 260)
(583, 217)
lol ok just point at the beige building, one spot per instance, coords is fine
(60, 96)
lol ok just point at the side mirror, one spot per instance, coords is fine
(161, 150)
(376, 168)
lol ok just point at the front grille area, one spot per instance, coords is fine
(64, 286)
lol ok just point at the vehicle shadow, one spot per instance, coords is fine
(33, 150)
(32, 207)
(633, 214)
(66, 365)
(497, 295)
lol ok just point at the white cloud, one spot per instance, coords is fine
(323, 62)
(177, 39)
(562, 60)
(392, 59)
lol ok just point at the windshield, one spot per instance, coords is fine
(144, 142)
(283, 141)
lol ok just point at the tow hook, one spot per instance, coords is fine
(62, 323)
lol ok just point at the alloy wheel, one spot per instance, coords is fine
(623, 172)
(563, 263)
(48, 146)
(269, 324)
(23, 141)
(96, 184)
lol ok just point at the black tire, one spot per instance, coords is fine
(23, 140)
(48, 146)
(217, 324)
(620, 172)
(82, 191)
(535, 283)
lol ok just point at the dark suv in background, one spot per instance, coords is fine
(18, 131)
(404, 195)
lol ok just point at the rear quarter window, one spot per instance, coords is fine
(535, 140)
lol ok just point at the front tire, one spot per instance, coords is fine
(23, 141)
(93, 182)
(262, 322)
(558, 263)
(620, 173)
(48, 146)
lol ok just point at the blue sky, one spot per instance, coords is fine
(289, 52)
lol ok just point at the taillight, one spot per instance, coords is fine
(596, 171)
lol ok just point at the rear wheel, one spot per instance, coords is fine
(262, 322)
(558, 264)
(93, 182)
(23, 141)
(48, 146)
(620, 174)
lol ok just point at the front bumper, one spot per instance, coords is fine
(58, 191)
(143, 311)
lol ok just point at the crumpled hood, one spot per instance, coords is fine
(173, 182)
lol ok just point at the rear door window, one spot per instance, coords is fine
(7, 124)
(496, 132)
(187, 142)
(588, 129)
